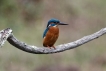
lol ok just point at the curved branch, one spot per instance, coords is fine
(38, 50)
(7, 35)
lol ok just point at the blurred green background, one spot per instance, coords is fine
(83, 16)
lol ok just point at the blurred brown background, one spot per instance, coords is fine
(28, 19)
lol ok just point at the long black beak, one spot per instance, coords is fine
(62, 23)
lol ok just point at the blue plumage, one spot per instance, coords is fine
(51, 33)
(44, 34)
(54, 21)
(46, 30)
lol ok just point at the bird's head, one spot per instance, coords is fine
(54, 22)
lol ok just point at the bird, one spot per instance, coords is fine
(51, 33)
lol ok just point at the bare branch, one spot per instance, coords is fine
(42, 50)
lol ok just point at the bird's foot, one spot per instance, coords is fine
(52, 47)
(48, 46)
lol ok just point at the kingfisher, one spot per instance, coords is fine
(51, 32)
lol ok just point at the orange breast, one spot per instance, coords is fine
(51, 37)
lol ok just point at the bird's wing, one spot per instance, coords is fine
(46, 30)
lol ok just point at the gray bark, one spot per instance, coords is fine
(7, 33)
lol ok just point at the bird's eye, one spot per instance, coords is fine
(56, 22)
